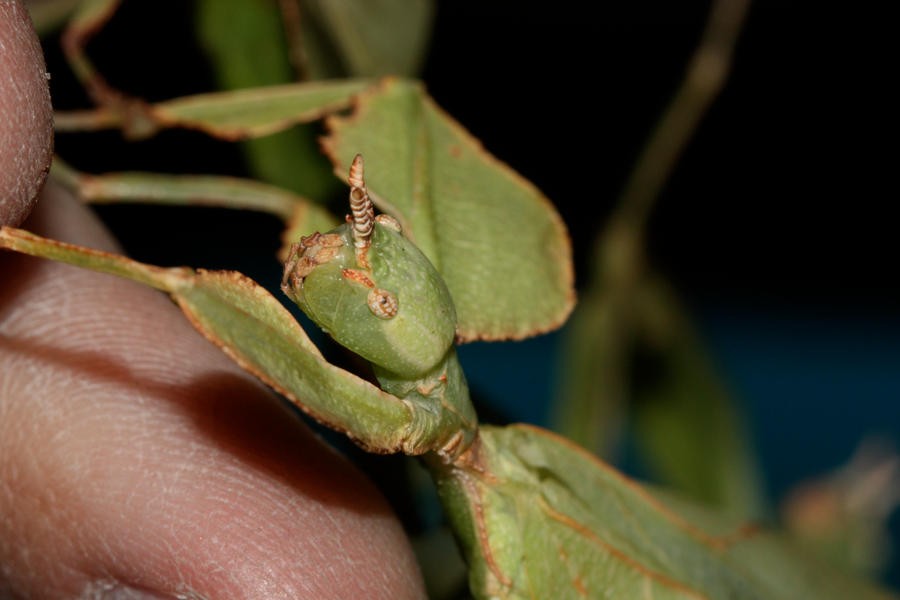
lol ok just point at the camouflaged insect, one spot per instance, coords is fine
(372, 290)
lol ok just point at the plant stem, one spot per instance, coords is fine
(705, 77)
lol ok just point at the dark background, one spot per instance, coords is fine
(784, 190)
(776, 226)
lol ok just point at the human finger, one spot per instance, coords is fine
(26, 119)
(136, 458)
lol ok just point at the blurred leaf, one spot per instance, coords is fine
(245, 42)
(258, 111)
(89, 17)
(539, 517)
(291, 159)
(301, 217)
(157, 188)
(48, 15)
(593, 397)
(245, 39)
(687, 427)
(367, 38)
(633, 357)
(843, 516)
(497, 241)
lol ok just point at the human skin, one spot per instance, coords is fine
(136, 460)
(26, 121)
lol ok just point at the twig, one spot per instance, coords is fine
(292, 19)
(706, 75)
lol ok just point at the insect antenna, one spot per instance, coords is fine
(363, 211)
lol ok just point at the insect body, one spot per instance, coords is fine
(373, 290)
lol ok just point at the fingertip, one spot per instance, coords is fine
(26, 117)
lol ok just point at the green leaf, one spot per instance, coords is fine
(89, 17)
(845, 516)
(258, 111)
(49, 15)
(245, 42)
(592, 399)
(497, 241)
(365, 37)
(687, 426)
(633, 358)
(245, 39)
(539, 517)
(260, 335)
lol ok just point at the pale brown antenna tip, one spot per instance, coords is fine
(356, 173)
(362, 209)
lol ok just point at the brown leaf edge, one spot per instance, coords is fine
(471, 473)
(176, 282)
(328, 144)
(165, 114)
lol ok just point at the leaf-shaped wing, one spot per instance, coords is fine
(539, 517)
(257, 111)
(255, 330)
(615, 328)
(497, 241)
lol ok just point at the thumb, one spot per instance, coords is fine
(135, 458)
(26, 120)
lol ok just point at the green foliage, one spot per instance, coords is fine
(539, 517)
(637, 367)
(246, 45)
(355, 38)
(410, 342)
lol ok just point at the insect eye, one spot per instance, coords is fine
(383, 304)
